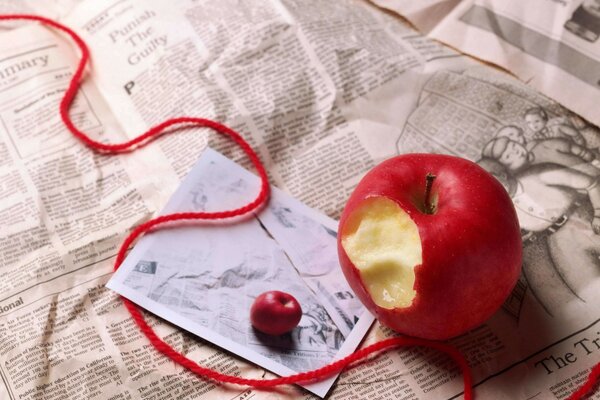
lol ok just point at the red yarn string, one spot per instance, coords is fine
(261, 199)
(588, 385)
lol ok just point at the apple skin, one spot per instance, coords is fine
(275, 313)
(471, 245)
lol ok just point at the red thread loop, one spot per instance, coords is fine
(259, 201)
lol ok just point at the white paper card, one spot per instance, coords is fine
(204, 278)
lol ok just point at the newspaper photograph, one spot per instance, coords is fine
(205, 280)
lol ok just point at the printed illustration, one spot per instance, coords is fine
(311, 246)
(548, 161)
(585, 20)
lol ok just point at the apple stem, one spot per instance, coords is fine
(429, 208)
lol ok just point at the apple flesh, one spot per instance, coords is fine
(383, 244)
(430, 244)
(275, 313)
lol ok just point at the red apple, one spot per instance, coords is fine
(275, 313)
(430, 244)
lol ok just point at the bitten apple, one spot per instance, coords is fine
(275, 312)
(430, 244)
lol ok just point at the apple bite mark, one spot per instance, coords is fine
(383, 243)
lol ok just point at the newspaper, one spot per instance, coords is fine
(550, 44)
(324, 91)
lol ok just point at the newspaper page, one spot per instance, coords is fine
(423, 14)
(542, 343)
(550, 44)
(324, 91)
(65, 209)
(231, 61)
(62, 211)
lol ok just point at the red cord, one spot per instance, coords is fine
(588, 385)
(259, 201)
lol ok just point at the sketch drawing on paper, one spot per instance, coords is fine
(547, 159)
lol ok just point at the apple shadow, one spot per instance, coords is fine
(276, 343)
